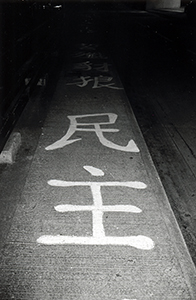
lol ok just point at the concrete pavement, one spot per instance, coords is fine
(92, 220)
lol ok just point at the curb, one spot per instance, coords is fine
(8, 154)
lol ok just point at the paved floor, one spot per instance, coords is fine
(156, 57)
(87, 216)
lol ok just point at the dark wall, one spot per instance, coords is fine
(27, 32)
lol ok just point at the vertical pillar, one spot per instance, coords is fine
(158, 4)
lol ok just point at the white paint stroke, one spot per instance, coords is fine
(94, 171)
(105, 208)
(131, 184)
(130, 147)
(98, 229)
(98, 83)
(139, 242)
(98, 209)
(75, 125)
(104, 67)
(85, 66)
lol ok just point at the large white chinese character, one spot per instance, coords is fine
(98, 237)
(78, 126)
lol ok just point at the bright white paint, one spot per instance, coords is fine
(94, 171)
(105, 81)
(82, 81)
(98, 81)
(76, 125)
(58, 6)
(106, 208)
(131, 146)
(140, 242)
(98, 209)
(131, 184)
(87, 66)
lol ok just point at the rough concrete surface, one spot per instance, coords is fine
(41, 255)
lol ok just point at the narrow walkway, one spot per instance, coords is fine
(93, 220)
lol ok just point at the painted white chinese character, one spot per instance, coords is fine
(82, 81)
(76, 125)
(84, 66)
(105, 81)
(88, 66)
(103, 67)
(88, 47)
(98, 236)
(89, 55)
(99, 82)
